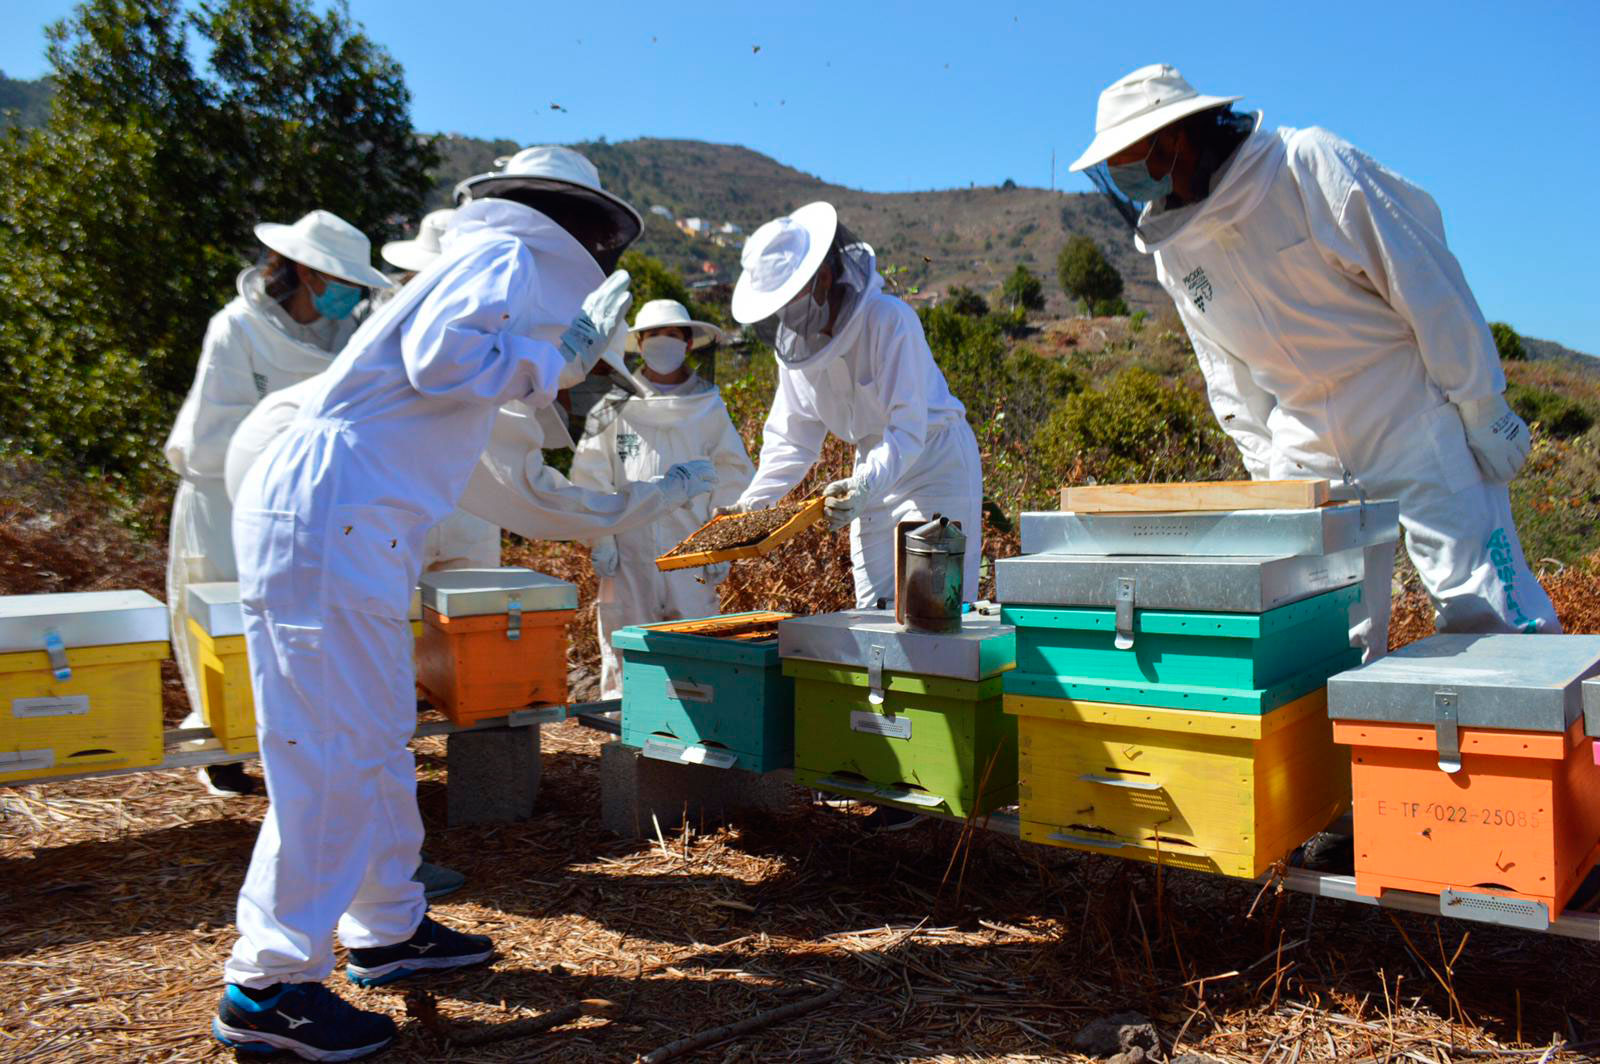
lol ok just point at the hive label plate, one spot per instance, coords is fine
(60, 706)
(696, 754)
(878, 724)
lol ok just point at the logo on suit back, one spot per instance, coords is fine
(1199, 288)
(627, 444)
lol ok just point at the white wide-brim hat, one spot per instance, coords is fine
(415, 254)
(668, 314)
(781, 258)
(552, 168)
(327, 243)
(1137, 105)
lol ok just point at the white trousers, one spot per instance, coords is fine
(642, 594)
(342, 836)
(946, 480)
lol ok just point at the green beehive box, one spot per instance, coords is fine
(1244, 651)
(708, 692)
(918, 740)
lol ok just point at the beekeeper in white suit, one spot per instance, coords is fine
(291, 316)
(328, 531)
(853, 361)
(629, 439)
(1336, 333)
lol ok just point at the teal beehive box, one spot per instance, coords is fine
(1184, 659)
(906, 718)
(708, 691)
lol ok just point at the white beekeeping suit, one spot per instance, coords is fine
(252, 348)
(628, 440)
(1338, 338)
(869, 379)
(510, 485)
(460, 541)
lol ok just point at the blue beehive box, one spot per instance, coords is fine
(708, 691)
(1184, 659)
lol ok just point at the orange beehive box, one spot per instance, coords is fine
(1521, 818)
(1471, 774)
(493, 641)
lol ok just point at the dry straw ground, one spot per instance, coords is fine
(116, 905)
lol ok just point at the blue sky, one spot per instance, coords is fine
(1490, 107)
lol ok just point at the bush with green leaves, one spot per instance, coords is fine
(1021, 290)
(964, 300)
(1508, 342)
(1559, 415)
(124, 219)
(1086, 275)
(1140, 428)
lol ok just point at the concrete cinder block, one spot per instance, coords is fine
(492, 775)
(633, 786)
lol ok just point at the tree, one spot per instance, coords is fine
(964, 300)
(1022, 290)
(1087, 276)
(124, 219)
(1508, 342)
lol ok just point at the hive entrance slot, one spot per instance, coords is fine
(1168, 840)
(1092, 830)
(1126, 771)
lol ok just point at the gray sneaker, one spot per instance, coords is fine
(437, 880)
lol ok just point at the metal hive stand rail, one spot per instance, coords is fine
(211, 753)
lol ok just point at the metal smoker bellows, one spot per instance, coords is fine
(930, 582)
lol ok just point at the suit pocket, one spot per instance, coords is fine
(264, 544)
(371, 557)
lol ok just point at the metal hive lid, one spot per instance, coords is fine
(1220, 585)
(1520, 682)
(480, 592)
(1215, 534)
(83, 618)
(982, 648)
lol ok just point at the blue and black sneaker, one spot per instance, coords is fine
(433, 949)
(306, 1019)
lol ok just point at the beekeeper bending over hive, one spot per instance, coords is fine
(627, 439)
(291, 316)
(328, 532)
(1336, 333)
(852, 360)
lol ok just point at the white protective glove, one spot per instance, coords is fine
(845, 499)
(604, 557)
(688, 480)
(603, 318)
(1498, 437)
(716, 573)
(729, 510)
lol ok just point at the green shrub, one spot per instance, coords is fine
(964, 300)
(1086, 275)
(1507, 342)
(1561, 416)
(1140, 428)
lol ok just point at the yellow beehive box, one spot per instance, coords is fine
(1227, 793)
(216, 629)
(80, 682)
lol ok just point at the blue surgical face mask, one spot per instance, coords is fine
(337, 300)
(1135, 182)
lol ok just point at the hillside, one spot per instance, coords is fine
(23, 103)
(971, 236)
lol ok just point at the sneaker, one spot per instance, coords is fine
(833, 801)
(887, 818)
(226, 781)
(306, 1019)
(437, 880)
(433, 949)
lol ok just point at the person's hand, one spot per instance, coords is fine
(1498, 437)
(597, 326)
(717, 573)
(604, 557)
(729, 510)
(688, 480)
(844, 501)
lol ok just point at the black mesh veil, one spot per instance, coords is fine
(1213, 135)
